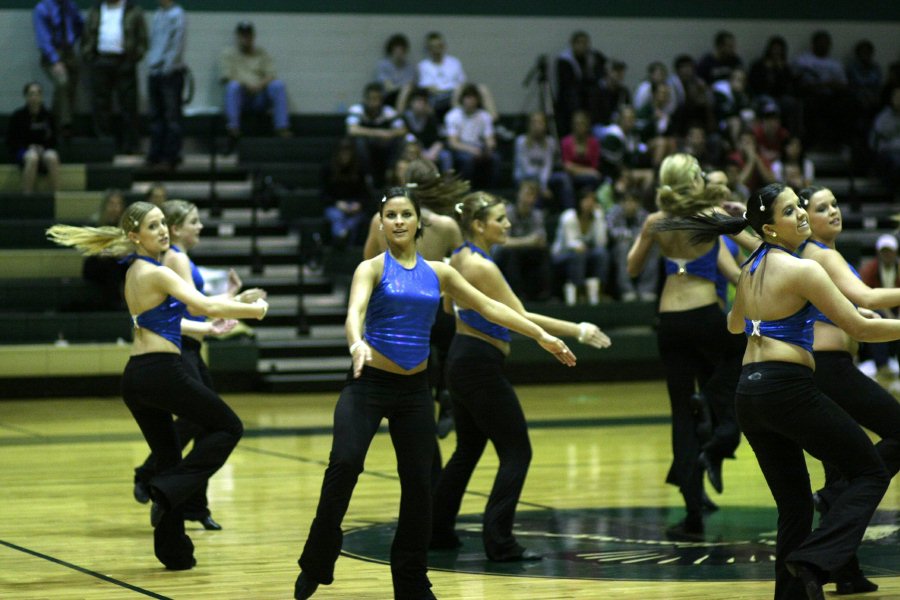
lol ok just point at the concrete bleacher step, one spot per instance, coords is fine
(303, 382)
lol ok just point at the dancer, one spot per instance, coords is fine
(485, 405)
(393, 298)
(781, 411)
(156, 384)
(183, 221)
(836, 376)
(694, 344)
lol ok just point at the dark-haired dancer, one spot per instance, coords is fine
(156, 384)
(694, 343)
(864, 399)
(485, 405)
(183, 221)
(393, 299)
(780, 409)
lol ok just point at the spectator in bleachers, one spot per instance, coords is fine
(828, 107)
(579, 69)
(165, 84)
(734, 111)
(771, 78)
(792, 167)
(612, 94)
(891, 81)
(643, 95)
(733, 169)
(581, 153)
(865, 80)
(113, 43)
(719, 63)
(440, 73)
(654, 123)
(344, 187)
(720, 177)
(470, 137)
(769, 133)
(580, 248)
(621, 146)
(57, 29)
(706, 149)
(378, 131)
(624, 221)
(157, 194)
(31, 139)
(534, 158)
(755, 171)
(525, 258)
(885, 140)
(248, 73)
(422, 125)
(105, 273)
(394, 71)
(882, 272)
(693, 98)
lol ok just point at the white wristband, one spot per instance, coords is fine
(356, 345)
(583, 332)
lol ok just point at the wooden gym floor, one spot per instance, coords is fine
(594, 504)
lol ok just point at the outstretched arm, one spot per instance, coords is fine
(360, 291)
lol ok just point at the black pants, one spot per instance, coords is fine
(782, 413)
(485, 407)
(155, 386)
(405, 401)
(696, 349)
(442, 332)
(196, 507)
(866, 401)
(164, 93)
(117, 75)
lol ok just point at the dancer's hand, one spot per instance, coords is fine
(362, 354)
(250, 296)
(869, 314)
(234, 282)
(557, 348)
(591, 335)
(221, 326)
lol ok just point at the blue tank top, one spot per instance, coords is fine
(401, 311)
(796, 329)
(819, 316)
(199, 283)
(721, 280)
(473, 318)
(164, 319)
(705, 266)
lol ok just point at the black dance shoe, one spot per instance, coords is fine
(713, 468)
(208, 523)
(686, 531)
(808, 577)
(708, 505)
(141, 492)
(525, 556)
(849, 579)
(304, 587)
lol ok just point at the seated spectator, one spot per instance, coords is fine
(865, 80)
(722, 178)
(581, 153)
(828, 106)
(377, 130)
(524, 258)
(769, 133)
(105, 273)
(624, 222)
(706, 149)
(612, 94)
(31, 139)
(885, 140)
(470, 137)
(439, 73)
(643, 94)
(692, 97)
(422, 125)
(579, 248)
(882, 272)
(734, 111)
(621, 147)
(654, 123)
(248, 73)
(755, 171)
(157, 194)
(579, 69)
(733, 171)
(719, 63)
(344, 187)
(534, 158)
(395, 72)
(771, 78)
(793, 168)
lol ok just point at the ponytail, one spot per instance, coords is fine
(109, 241)
(704, 228)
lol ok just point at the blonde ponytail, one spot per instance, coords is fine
(109, 241)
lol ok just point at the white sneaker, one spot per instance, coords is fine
(893, 366)
(868, 368)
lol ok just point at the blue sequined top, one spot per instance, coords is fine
(819, 316)
(705, 266)
(473, 318)
(401, 311)
(163, 319)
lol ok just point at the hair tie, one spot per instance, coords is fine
(383, 199)
(744, 215)
(762, 207)
(458, 208)
(413, 185)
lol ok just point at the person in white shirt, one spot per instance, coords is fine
(470, 137)
(378, 132)
(580, 248)
(440, 73)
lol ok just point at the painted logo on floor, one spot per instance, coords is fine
(631, 543)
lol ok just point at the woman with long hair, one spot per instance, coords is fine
(393, 299)
(780, 409)
(696, 349)
(183, 221)
(156, 384)
(485, 405)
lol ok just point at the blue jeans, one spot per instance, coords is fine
(579, 266)
(468, 165)
(273, 96)
(345, 226)
(164, 91)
